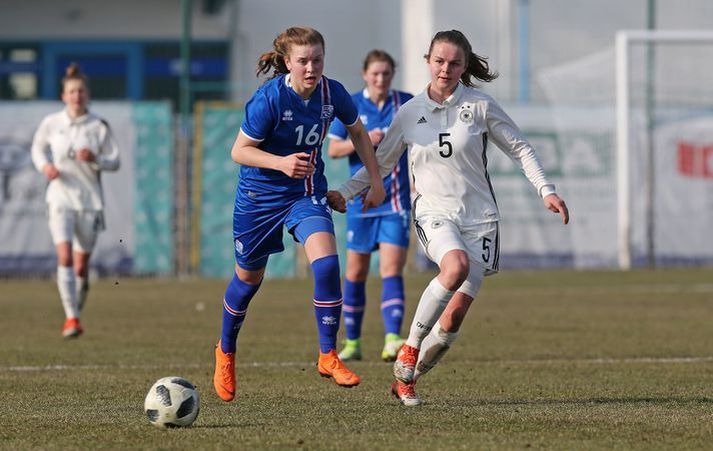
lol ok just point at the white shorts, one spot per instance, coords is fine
(80, 227)
(481, 242)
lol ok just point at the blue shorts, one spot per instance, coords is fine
(257, 232)
(365, 234)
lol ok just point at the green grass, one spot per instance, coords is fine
(562, 360)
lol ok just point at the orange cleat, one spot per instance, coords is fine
(406, 393)
(224, 376)
(72, 328)
(329, 365)
(405, 363)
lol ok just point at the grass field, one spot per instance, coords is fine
(562, 360)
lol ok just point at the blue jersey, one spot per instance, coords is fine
(396, 184)
(283, 123)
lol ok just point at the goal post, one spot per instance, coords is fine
(624, 42)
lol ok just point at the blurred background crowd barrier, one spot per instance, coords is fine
(172, 80)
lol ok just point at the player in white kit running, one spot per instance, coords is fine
(71, 148)
(448, 128)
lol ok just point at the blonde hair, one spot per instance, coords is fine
(275, 59)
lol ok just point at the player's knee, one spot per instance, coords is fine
(249, 277)
(65, 260)
(454, 270)
(390, 269)
(357, 273)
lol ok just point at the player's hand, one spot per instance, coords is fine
(86, 155)
(336, 201)
(297, 165)
(50, 171)
(376, 136)
(374, 197)
(557, 205)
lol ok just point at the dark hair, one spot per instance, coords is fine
(74, 72)
(475, 66)
(275, 59)
(378, 55)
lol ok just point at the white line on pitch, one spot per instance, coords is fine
(602, 360)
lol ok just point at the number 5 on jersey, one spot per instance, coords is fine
(442, 141)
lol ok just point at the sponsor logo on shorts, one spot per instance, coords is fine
(239, 247)
(436, 224)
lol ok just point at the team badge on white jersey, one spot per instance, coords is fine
(466, 114)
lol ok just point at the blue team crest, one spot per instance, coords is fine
(327, 112)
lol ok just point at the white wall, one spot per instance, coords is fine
(104, 19)
(560, 30)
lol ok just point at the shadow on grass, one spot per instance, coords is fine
(218, 426)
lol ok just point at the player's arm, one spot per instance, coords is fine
(508, 137)
(365, 149)
(40, 152)
(387, 156)
(108, 157)
(340, 147)
(245, 151)
(339, 143)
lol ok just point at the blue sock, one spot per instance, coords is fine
(354, 302)
(327, 300)
(235, 306)
(392, 303)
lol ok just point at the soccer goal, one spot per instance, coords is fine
(664, 140)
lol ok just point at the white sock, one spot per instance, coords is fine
(432, 303)
(433, 348)
(82, 290)
(67, 284)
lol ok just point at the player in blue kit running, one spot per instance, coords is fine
(282, 184)
(385, 227)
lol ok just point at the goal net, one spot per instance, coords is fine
(647, 199)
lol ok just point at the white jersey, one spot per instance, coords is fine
(447, 146)
(57, 140)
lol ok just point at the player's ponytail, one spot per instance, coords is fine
(74, 72)
(275, 59)
(476, 66)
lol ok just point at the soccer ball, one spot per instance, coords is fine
(172, 402)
